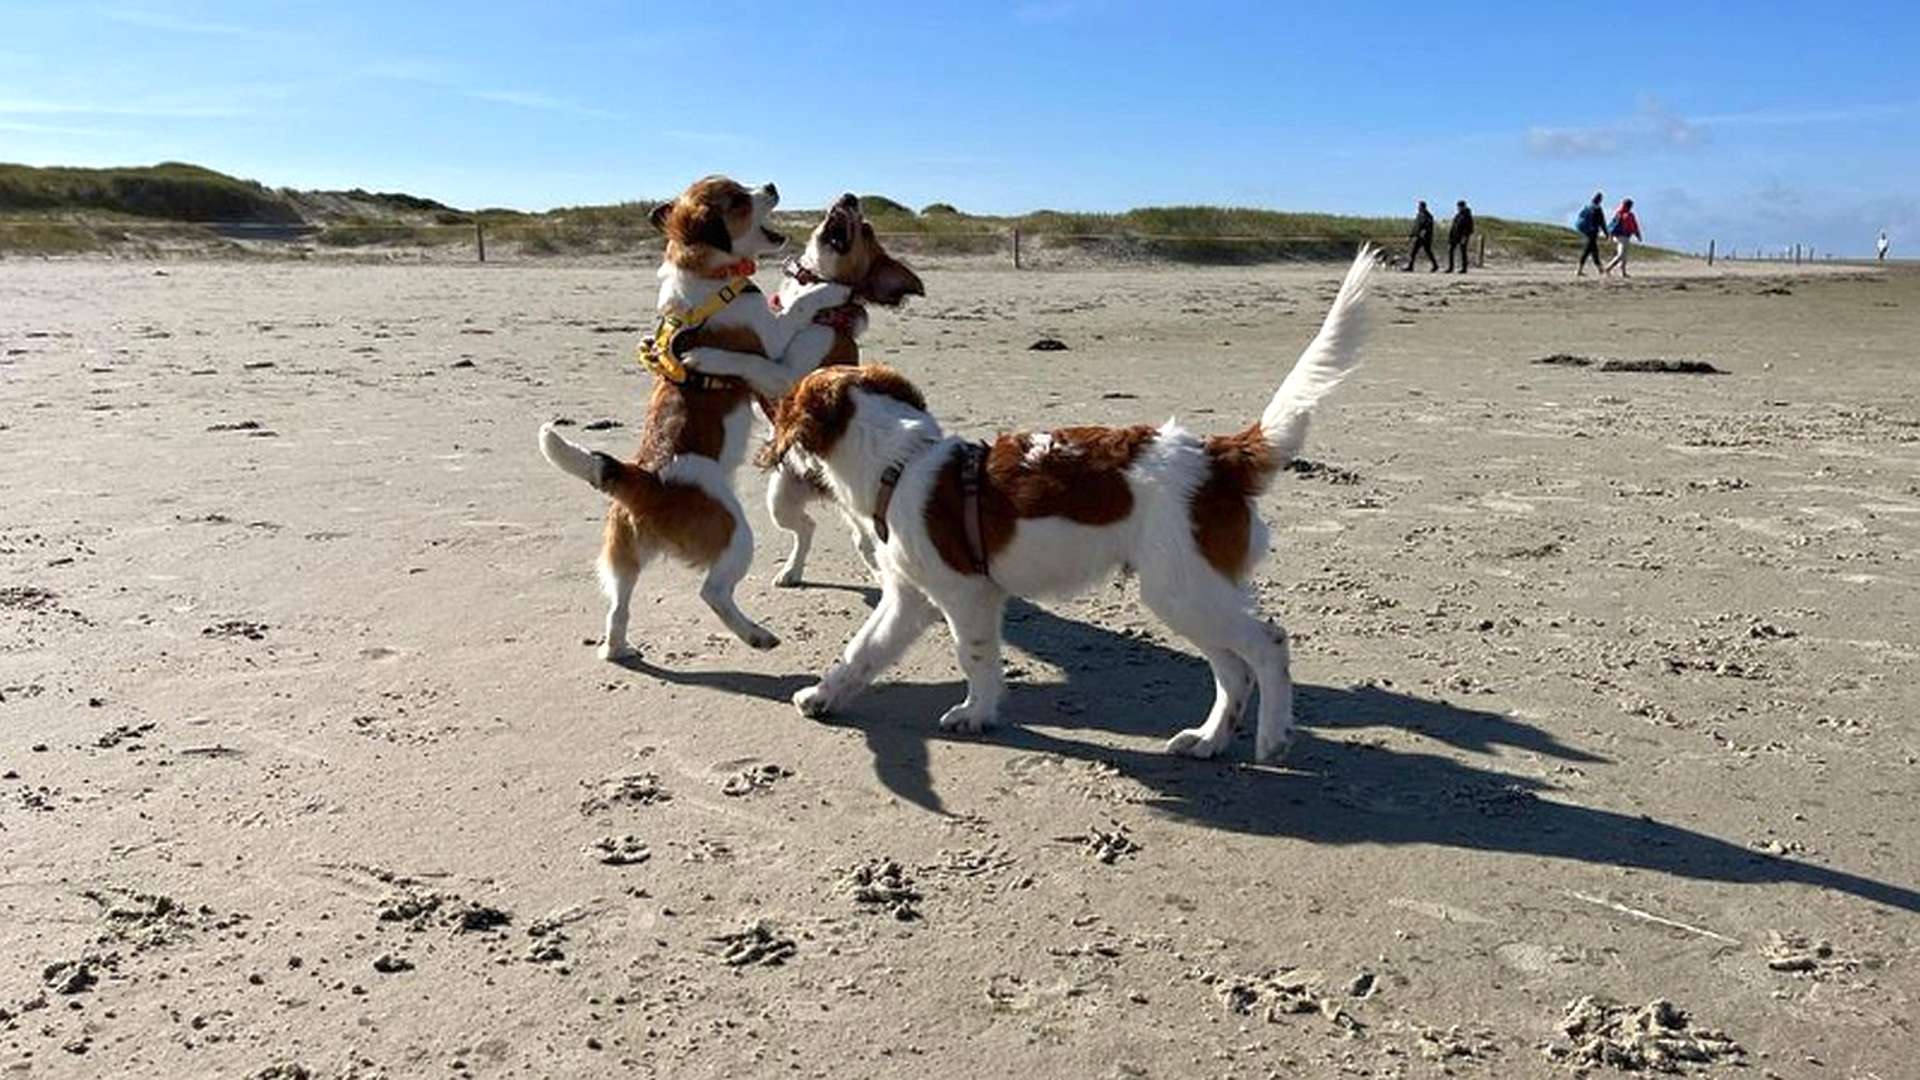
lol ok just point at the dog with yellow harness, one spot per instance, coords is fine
(718, 345)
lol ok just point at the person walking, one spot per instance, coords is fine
(1881, 245)
(1459, 231)
(1625, 228)
(1422, 236)
(1591, 223)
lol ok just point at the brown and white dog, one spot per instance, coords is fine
(965, 525)
(842, 249)
(676, 496)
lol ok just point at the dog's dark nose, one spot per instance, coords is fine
(770, 191)
(848, 201)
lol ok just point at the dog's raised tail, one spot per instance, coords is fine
(1334, 351)
(572, 458)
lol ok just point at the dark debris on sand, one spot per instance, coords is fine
(1656, 365)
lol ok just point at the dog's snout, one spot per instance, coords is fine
(772, 193)
(848, 201)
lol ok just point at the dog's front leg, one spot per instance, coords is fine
(903, 614)
(975, 622)
(807, 349)
(785, 325)
(767, 377)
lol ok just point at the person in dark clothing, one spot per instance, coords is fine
(1459, 231)
(1422, 236)
(1592, 222)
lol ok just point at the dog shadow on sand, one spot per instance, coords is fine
(1328, 791)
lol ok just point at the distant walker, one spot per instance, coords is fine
(1422, 237)
(1459, 232)
(1625, 229)
(1591, 223)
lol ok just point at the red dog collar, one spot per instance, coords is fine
(743, 268)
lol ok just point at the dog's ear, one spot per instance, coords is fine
(710, 228)
(658, 215)
(889, 281)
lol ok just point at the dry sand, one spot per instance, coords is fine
(1608, 700)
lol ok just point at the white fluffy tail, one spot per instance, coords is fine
(1335, 350)
(572, 458)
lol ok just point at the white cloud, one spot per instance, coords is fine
(27, 128)
(160, 20)
(174, 110)
(1776, 215)
(1652, 127)
(531, 100)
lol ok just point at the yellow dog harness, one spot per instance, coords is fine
(656, 353)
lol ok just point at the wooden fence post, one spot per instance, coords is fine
(1016, 247)
(1483, 251)
(480, 239)
(1709, 253)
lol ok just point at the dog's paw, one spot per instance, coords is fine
(617, 650)
(760, 638)
(788, 578)
(1270, 749)
(812, 702)
(1192, 743)
(963, 720)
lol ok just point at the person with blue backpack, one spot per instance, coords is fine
(1591, 223)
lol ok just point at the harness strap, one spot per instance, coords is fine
(656, 353)
(973, 467)
(888, 481)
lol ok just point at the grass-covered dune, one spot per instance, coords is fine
(62, 210)
(169, 191)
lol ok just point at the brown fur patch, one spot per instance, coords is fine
(815, 413)
(704, 219)
(649, 514)
(1081, 477)
(871, 273)
(687, 422)
(620, 541)
(1239, 467)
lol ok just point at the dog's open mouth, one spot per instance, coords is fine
(838, 232)
(777, 239)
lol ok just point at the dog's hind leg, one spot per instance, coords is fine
(864, 544)
(1233, 687)
(622, 556)
(788, 493)
(726, 573)
(1217, 616)
(903, 614)
(1275, 734)
(974, 618)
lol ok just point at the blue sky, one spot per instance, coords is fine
(1750, 123)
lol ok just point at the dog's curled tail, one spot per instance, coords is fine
(1334, 351)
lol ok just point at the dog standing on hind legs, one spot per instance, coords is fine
(844, 249)
(963, 526)
(719, 345)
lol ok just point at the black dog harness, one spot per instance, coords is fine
(973, 471)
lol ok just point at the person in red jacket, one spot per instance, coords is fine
(1625, 228)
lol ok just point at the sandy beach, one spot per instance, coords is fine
(1608, 698)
